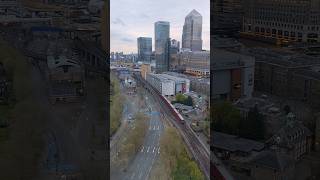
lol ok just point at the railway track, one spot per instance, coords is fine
(198, 151)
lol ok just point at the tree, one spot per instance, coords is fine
(180, 98)
(253, 126)
(189, 101)
(226, 118)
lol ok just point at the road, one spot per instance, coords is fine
(142, 164)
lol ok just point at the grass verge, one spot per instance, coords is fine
(116, 105)
(174, 161)
(133, 141)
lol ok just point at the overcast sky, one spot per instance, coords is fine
(131, 19)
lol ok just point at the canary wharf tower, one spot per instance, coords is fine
(192, 31)
(162, 45)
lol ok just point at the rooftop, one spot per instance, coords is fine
(194, 13)
(234, 143)
(273, 160)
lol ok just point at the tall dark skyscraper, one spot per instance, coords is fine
(192, 31)
(162, 45)
(144, 49)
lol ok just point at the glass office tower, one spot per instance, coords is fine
(162, 45)
(192, 31)
(144, 49)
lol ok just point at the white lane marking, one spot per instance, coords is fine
(154, 148)
(154, 128)
(148, 149)
(148, 173)
(142, 148)
(159, 150)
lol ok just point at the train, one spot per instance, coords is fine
(173, 110)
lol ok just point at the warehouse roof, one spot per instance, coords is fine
(234, 143)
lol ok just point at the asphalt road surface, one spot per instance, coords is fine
(142, 164)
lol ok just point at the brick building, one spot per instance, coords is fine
(287, 74)
(282, 21)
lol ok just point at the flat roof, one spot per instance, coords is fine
(235, 143)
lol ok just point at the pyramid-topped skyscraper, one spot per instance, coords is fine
(192, 31)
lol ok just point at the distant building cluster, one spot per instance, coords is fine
(120, 56)
(192, 62)
(168, 55)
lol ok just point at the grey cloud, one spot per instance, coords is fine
(118, 21)
(143, 15)
(127, 40)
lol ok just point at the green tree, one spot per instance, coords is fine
(180, 97)
(189, 101)
(226, 118)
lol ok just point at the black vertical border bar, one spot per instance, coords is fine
(107, 48)
(211, 84)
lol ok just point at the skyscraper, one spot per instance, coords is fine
(162, 45)
(144, 49)
(175, 46)
(192, 31)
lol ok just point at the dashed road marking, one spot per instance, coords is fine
(148, 149)
(159, 150)
(158, 127)
(154, 148)
(154, 128)
(142, 148)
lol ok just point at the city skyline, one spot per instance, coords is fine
(135, 20)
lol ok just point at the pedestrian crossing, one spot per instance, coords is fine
(154, 128)
(150, 149)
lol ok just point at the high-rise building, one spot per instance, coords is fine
(174, 47)
(282, 21)
(162, 45)
(144, 49)
(192, 31)
(227, 17)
